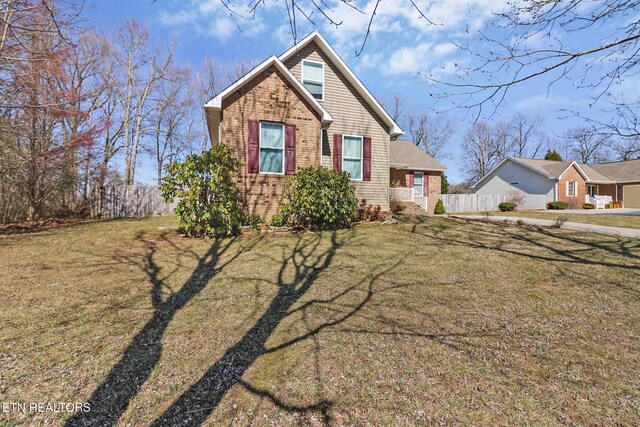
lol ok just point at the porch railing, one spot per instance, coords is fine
(598, 201)
(404, 194)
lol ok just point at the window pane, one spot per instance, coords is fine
(353, 167)
(315, 89)
(313, 71)
(352, 147)
(417, 183)
(271, 160)
(272, 135)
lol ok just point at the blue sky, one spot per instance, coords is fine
(402, 49)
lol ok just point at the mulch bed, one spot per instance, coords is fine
(40, 225)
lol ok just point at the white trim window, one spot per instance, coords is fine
(352, 156)
(271, 147)
(313, 78)
(418, 183)
(571, 189)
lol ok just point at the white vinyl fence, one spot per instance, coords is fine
(130, 201)
(472, 202)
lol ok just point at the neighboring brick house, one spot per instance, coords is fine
(569, 181)
(303, 108)
(412, 168)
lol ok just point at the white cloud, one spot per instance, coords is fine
(222, 29)
(421, 58)
(211, 18)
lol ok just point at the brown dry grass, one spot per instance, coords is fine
(430, 321)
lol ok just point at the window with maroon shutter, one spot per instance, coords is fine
(337, 151)
(290, 149)
(366, 159)
(253, 147)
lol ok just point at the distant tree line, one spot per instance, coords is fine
(79, 109)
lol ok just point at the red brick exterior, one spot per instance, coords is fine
(268, 97)
(400, 178)
(577, 200)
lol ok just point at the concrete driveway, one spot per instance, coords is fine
(575, 226)
(624, 211)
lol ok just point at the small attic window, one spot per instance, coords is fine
(313, 78)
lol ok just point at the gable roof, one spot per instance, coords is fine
(625, 171)
(407, 155)
(550, 168)
(216, 102)
(603, 173)
(394, 129)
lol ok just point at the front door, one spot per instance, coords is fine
(418, 183)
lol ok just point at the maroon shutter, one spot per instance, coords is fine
(253, 147)
(425, 184)
(337, 151)
(366, 159)
(410, 179)
(290, 149)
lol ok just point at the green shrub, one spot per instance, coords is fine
(319, 197)
(557, 205)
(208, 202)
(588, 206)
(507, 206)
(252, 220)
(440, 208)
(278, 221)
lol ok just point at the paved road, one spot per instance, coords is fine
(623, 211)
(586, 228)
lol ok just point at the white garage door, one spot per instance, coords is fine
(631, 196)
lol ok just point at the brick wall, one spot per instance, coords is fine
(577, 200)
(268, 97)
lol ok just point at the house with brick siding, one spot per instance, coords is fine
(303, 108)
(412, 169)
(571, 182)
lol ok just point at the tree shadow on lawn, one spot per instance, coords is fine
(300, 265)
(298, 271)
(540, 244)
(535, 236)
(111, 399)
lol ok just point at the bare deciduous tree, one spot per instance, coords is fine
(587, 145)
(138, 69)
(432, 133)
(526, 136)
(172, 99)
(483, 148)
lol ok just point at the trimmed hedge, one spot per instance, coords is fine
(588, 206)
(507, 206)
(558, 206)
(439, 208)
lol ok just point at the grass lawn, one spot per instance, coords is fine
(599, 219)
(430, 321)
